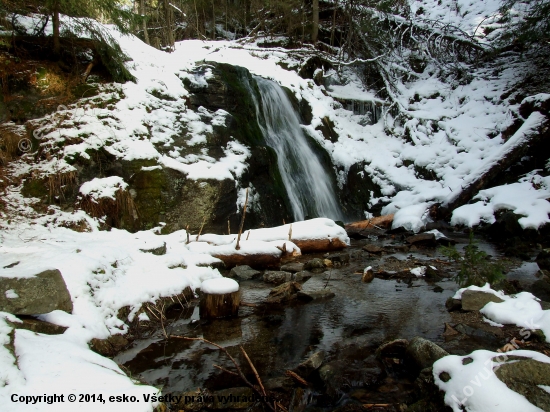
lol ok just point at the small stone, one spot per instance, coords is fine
(372, 248)
(422, 239)
(244, 272)
(311, 364)
(450, 331)
(453, 304)
(474, 300)
(314, 264)
(110, 346)
(368, 275)
(276, 277)
(301, 277)
(341, 258)
(293, 267)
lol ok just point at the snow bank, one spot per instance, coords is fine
(522, 309)
(475, 385)
(527, 198)
(98, 188)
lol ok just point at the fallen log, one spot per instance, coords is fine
(256, 260)
(534, 130)
(319, 245)
(379, 222)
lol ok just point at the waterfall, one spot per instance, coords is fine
(309, 187)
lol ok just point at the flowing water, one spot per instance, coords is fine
(309, 187)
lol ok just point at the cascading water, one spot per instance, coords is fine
(309, 187)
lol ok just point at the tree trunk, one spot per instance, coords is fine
(55, 22)
(213, 21)
(315, 30)
(168, 17)
(144, 22)
(213, 306)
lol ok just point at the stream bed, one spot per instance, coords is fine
(347, 329)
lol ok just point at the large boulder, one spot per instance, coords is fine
(474, 300)
(424, 352)
(38, 294)
(524, 377)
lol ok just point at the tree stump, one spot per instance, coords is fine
(220, 298)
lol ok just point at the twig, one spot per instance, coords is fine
(237, 247)
(296, 377)
(248, 235)
(239, 371)
(187, 232)
(200, 230)
(225, 370)
(290, 233)
(253, 370)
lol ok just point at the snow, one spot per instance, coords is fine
(219, 286)
(522, 309)
(11, 294)
(419, 271)
(475, 385)
(106, 187)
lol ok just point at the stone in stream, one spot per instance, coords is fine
(368, 275)
(314, 265)
(474, 300)
(339, 259)
(524, 377)
(277, 277)
(301, 277)
(422, 239)
(424, 352)
(543, 259)
(34, 295)
(309, 296)
(244, 272)
(453, 304)
(313, 363)
(110, 346)
(293, 267)
(284, 293)
(372, 248)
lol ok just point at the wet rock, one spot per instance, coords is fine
(422, 239)
(450, 331)
(39, 294)
(233, 398)
(311, 364)
(276, 277)
(479, 332)
(110, 346)
(284, 293)
(543, 259)
(524, 376)
(279, 384)
(339, 259)
(301, 277)
(541, 289)
(368, 275)
(326, 373)
(424, 352)
(158, 250)
(320, 294)
(474, 300)
(314, 265)
(293, 267)
(372, 249)
(40, 326)
(244, 272)
(392, 349)
(453, 304)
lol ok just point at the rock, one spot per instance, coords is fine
(39, 294)
(473, 300)
(40, 326)
(453, 304)
(234, 398)
(110, 346)
(301, 277)
(159, 250)
(314, 265)
(284, 293)
(422, 239)
(541, 289)
(524, 376)
(424, 352)
(304, 369)
(276, 277)
(372, 248)
(432, 274)
(392, 349)
(368, 275)
(244, 272)
(339, 259)
(326, 373)
(450, 331)
(279, 384)
(479, 333)
(293, 267)
(309, 296)
(543, 259)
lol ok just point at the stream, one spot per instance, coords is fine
(347, 328)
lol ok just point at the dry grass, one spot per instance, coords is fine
(58, 183)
